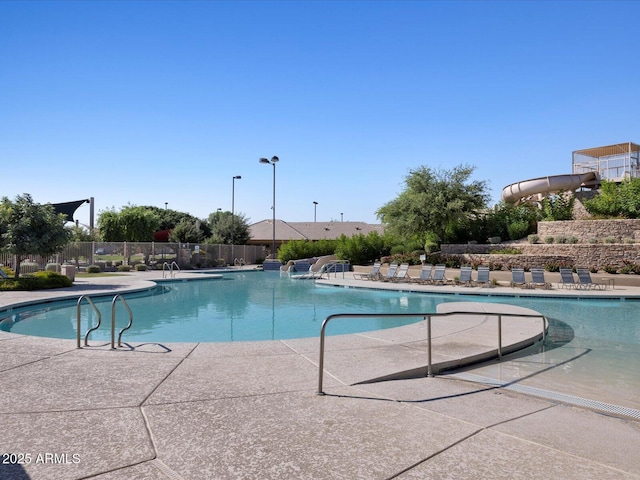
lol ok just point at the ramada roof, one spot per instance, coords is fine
(262, 232)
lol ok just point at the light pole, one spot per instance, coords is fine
(315, 206)
(273, 162)
(233, 199)
(341, 217)
(165, 205)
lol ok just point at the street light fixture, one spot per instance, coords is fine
(233, 197)
(273, 162)
(315, 206)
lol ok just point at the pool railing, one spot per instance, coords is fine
(427, 317)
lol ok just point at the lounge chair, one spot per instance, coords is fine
(537, 278)
(517, 278)
(465, 276)
(393, 268)
(584, 277)
(425, 274)
(566, 277)
(402, 273)
(374, 274)
(439, 277)
(484, 279)
(2, 274)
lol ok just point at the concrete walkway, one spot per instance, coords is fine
(251, 410)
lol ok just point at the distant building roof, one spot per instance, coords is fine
(262, 232)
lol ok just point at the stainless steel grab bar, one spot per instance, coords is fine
(113, 320)
(86, 337)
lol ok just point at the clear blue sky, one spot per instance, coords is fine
(149, 102)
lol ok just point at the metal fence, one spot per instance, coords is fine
(153, 254)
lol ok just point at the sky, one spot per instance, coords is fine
(163, 102)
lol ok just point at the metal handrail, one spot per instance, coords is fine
(113, 321)
(170, 267)
(427, 317)
(86, 337)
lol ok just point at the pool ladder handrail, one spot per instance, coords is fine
(427, 317)
(113, 320)
(170, 268)
(97, 325)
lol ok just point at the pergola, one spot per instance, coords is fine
(612, 162)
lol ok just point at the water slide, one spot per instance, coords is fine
(557, 183)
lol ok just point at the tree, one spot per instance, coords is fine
(28, 228)
(224, 223)
(131, 224)
(169, 219)
(186, 231)
(435, 201)
(616, 200)
(558, 207)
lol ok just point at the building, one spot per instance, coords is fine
(262, 232)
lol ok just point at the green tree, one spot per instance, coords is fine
(169, 219)
(435, 201)
(131, 224)
(227, 227)
(558, 207)
(28, 228)
(616, 200)
(186, 231)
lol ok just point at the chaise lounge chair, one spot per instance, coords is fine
(566, 277)
(517, 278)
(439, 277)
(374, 274)
(484, 275)
(425, 275)
(393, 268)
(584, 277)
(402, 273)
(537, 278)
(465, 276)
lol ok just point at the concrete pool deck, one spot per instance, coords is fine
(251, 410)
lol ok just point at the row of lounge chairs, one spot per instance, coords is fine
(430, 275)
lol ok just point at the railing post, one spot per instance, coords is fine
(499, 337)
(429, 366)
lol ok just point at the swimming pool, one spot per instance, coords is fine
(592, 350)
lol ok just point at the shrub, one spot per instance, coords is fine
(609, 240)
(572, 240)
(518, 229)
(52, 267)
(628, 240)
(593, 240)
(549, 240)
(141, 267)
(38, 281)
(533, 238)
(94, 269)
(561, 239)
(630, 268)
(124, 268)
(556, 265)
(611, 269)
(506, 251)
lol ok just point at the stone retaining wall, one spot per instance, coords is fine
(582, 254)
(579, 255)
(589, 230)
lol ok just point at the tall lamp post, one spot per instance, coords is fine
(233, 199)
(273, 162)
(315, 206)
